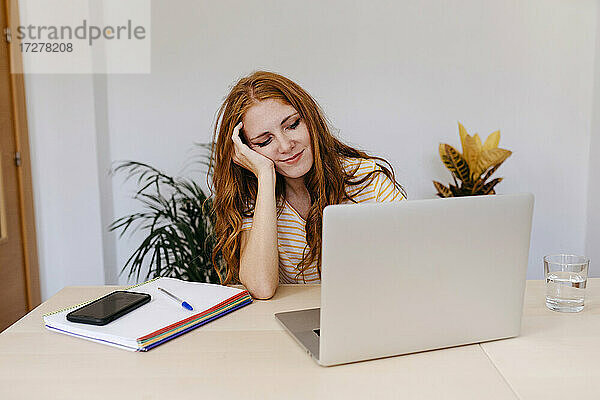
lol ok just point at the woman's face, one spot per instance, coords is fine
(276, 130)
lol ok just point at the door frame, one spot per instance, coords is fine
(21, 135)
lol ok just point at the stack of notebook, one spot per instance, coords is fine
(159, 320)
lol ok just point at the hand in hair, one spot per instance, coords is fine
(245, 157)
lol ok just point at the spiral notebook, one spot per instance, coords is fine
(159, 320)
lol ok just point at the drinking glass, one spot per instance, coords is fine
(566, 278)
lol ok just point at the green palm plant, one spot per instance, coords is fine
(473, 167)
(179, 220)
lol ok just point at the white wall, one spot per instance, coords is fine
(393, 77)
(61, 114)
(65, 180)
(593, 210)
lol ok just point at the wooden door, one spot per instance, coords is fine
(19, 282)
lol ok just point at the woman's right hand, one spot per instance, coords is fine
(245, 157)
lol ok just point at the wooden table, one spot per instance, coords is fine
(247, 355)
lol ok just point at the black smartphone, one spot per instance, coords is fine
(108, 308)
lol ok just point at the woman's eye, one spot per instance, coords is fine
(295, 124)
(263, 144)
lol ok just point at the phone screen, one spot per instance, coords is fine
(109, 307)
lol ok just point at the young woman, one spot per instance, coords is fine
(275, 167)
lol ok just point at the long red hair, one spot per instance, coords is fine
(235, 188)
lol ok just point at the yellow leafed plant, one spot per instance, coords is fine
(472, 169)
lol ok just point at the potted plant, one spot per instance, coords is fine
(178, 218)
(472, 169)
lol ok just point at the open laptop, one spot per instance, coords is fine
(410, 276)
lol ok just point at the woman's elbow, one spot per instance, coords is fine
(262, 293)
(261, 289)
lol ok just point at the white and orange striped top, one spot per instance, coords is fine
(291, 233)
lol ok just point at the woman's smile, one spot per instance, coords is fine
(293, 159)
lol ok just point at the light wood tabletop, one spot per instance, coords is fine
(247, 354)
(557, 355)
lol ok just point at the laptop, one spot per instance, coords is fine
(411, 276)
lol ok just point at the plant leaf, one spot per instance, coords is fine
(455, 162)
(463, 134)
(472, 150)
(492, 141)
(443, 191)
(178, 221)
(488, 188)
(491, 158)
(477, 185)
(478, 140)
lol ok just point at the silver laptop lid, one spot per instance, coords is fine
(419, 275)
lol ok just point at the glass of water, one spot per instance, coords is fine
(566, 277)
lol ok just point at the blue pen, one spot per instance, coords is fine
(184, 304)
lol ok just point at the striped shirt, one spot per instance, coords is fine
(291, 232)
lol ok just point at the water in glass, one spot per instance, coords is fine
(565, 291)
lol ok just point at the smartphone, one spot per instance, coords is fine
(108, 308)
